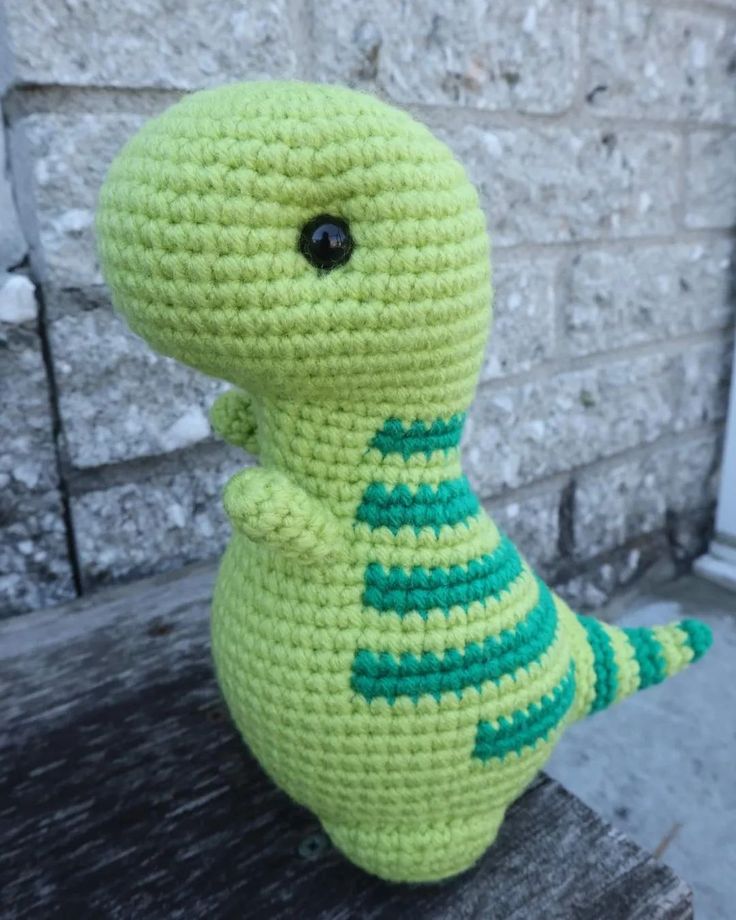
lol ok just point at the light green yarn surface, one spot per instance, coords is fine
(387, 654)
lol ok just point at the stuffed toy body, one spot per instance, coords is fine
(391, 659)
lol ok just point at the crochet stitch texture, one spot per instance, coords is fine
(390, 658)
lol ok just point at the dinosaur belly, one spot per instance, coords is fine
(407, 696)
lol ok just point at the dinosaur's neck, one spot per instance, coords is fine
(336, 452)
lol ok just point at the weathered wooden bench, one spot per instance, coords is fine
(126, 793)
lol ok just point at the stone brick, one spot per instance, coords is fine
(118, 399)
(523, 327)
(70, 155)
(593, 587)
(517, 435)
(635, 496)
(710, 196)
(646, 293)
(522, 56)
(651, 61)
(159, 43)
(551, 184)
(34, 564)
(532, 522)
(170, 518)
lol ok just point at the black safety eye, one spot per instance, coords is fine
(325, 241)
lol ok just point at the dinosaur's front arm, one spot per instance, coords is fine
(233, 419)
(268, 507)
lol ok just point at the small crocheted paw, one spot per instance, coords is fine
(232, 418)
(267, 507)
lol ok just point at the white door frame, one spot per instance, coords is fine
(719, 563)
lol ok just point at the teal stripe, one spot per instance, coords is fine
(418, 437)
(526, 727)
(648, 652)
(424, 589)
(384, 674)
(699, 636)
(604, 663)
(451, 502)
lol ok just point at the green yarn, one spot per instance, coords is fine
(383, 674)
(604, 663)
(526, 727)
(422, 589)
(699, 636)
(419, 438)
(408, 735)
(449, 503)
(649, 655)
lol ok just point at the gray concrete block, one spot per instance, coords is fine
(170, 518)
(710, 193)
(647, 60)
(517, 435)
(523, 325)
(551, 184)
(118, 399)
(34, 563)
(592, 588)
(635, 496)
(142, 43)
(478, 53)
(532, 523)
(69, 156)
(645, 293)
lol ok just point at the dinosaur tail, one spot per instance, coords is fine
(617, 662)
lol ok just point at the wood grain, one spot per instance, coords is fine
(126, 793)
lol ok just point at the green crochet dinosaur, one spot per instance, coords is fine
(392, 661)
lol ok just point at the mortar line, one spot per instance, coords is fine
(556, 481)
(51, 385)
(602, 359)
(30, 98)
(584, 118)
(135, 470)
(57, 435)
(708, 7)
(582, 566)
(681, 235)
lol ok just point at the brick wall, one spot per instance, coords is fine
(601, 136)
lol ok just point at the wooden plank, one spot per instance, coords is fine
(127, 793)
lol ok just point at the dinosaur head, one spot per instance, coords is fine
(300, 241)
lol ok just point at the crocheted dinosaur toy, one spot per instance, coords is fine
(390, 658)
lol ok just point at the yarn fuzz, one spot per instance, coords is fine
(390, 658)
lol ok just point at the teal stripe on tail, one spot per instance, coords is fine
(605, 666)
(633, 658)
